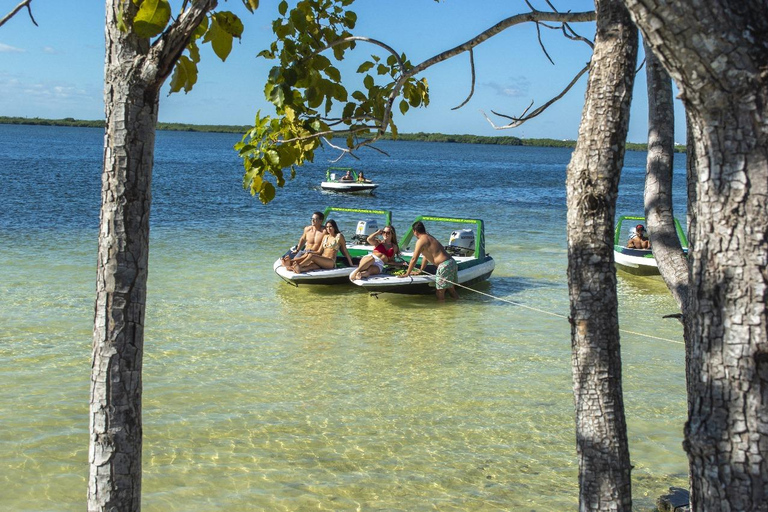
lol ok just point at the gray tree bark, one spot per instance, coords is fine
(659, 213)
(134, 71)
(592, 187)
(717, 52)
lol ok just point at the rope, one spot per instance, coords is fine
(550, 313)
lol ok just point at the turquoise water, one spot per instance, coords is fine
(259, 395)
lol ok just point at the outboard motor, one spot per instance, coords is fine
(365, 228)
(461, 243)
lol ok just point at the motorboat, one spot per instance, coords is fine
(640, 262)
(346, 179)
(372, 221)
(466, 244)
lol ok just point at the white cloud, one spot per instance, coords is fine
(51, 50)
(4, 48)
(516, 87)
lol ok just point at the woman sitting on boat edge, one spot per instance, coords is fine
(332, 242)
(383, 253)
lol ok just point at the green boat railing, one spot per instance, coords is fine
(479, 237)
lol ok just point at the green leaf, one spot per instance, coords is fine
(382, 69)
(368, 82)
(251, 5)
(184, 75)
(403, 106)
(267, 192)
(220, 39)
(121, 26)
(230, 23)
(282, 8)
(152, 17)
(365, 66)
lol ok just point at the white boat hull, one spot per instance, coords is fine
(470, 271)
(320, 276)
(636, 262)
(341, 186)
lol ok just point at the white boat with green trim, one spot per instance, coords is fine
(367, 221)
(466, 244)
(335, 181)
(640, 262)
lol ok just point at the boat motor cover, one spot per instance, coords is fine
(462, 242)
(367, 227)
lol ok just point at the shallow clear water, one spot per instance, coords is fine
(259, 395)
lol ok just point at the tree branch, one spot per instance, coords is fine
(517, 121)
(16, 9)
(165, 51)
(472, 90)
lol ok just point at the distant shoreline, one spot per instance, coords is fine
(420, 136)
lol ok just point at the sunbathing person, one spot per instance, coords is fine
(330, 245)
(383, 253)
(309, 241)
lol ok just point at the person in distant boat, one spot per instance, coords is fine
(431, 250)
(309, 242)
(330, 245)
(383, 253)
(361, 178)
(348, 176)
(639, 239)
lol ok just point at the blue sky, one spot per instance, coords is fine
(56, 70)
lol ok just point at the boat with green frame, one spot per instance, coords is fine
(367, 221)
(640, 262)
(466, 244)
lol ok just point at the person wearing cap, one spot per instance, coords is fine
(639, 239)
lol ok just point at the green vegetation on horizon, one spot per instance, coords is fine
(420, 136)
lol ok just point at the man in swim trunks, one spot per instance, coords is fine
(310, 240)
(433, 251)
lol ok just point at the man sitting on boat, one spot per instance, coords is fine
(348, 176)
(638, 239)
(431, 250)
(310, 240)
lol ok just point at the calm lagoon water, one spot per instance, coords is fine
(262, 396)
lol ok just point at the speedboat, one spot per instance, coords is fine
(336, 181)
(356, 245)
(466, 244)
(639, 262)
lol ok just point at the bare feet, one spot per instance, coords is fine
(353, 276)
(296, 268)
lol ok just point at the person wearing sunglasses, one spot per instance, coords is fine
(384, 252)
(309, 242)
(330, 245)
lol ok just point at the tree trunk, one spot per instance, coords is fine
(659, 214)
(134, 71)
(719, 63)
(592, 187)
(121, 285)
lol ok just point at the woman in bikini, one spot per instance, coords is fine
(383, 253)
(332, 242)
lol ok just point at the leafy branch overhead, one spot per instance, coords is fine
(312, 103)
(150, 19)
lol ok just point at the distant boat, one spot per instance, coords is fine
(639, 262)
(346, 179)
(466, 246)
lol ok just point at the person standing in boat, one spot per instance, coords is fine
(383, 253)
(639, 239)
(310, 240)
(330, 245)
(433, 251)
